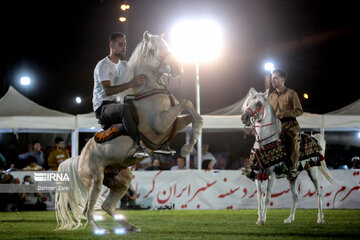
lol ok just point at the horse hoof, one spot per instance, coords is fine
(185, 150)
(134, 229)
(288, 220)
(320, 221)
(260, 222)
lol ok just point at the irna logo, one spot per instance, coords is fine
(51, 176)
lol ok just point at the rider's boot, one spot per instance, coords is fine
(141, 151)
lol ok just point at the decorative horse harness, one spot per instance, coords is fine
(275, 152)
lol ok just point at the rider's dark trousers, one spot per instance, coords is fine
(291, 130)
(110, 113)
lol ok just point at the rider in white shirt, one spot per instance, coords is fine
(110, 83)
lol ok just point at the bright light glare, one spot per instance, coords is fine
(269, 67)
(78, 100)
(100, 231)
(25, 81)
(119, 231)
(98, 218)
(306, 96)
(119, 217)
(125, 7)
(122, 19)
(195, 41)
(358, 135)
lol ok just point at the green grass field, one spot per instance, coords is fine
(201, 224)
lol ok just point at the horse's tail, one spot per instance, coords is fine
(323, 168)
(69, 206)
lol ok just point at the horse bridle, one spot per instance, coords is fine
(161, 60)
(253, 123)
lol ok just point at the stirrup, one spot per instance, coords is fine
(141, 152)
(165, 150)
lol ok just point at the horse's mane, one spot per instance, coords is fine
(134, 61)
(246, 99)
(277, 121)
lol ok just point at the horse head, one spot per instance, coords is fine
(158, 56)
(254, 107)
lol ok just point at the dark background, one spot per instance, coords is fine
(58, 43)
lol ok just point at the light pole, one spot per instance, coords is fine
(197, 41)
(199, 142)
(269, 67)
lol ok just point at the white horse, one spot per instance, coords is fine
(107, 163)
(259, 116)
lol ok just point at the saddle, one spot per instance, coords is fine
(131, 122)
(275, 153)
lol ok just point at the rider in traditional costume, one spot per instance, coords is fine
(287, 107)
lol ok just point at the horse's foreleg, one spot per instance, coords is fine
(295, 196)
(167, 118)
(118, 185)
(271, 182)
(197, 123)
(259, 194)
(109, 207)
(183, 122)
(314, 176)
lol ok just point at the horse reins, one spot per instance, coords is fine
(254, 126)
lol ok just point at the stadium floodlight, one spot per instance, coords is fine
(197, 41)
(78, 100)
(269, 66)
(25, 81)
(124, 7)
(122, 19)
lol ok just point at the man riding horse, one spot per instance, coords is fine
(287, 107)
(150, 109)
(109, 83)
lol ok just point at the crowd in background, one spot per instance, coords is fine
(38, 158)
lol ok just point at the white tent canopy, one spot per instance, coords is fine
(351, 109)
(347, 117)
(18, 112)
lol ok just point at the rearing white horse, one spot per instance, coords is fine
(259, 116)
(107, 163)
